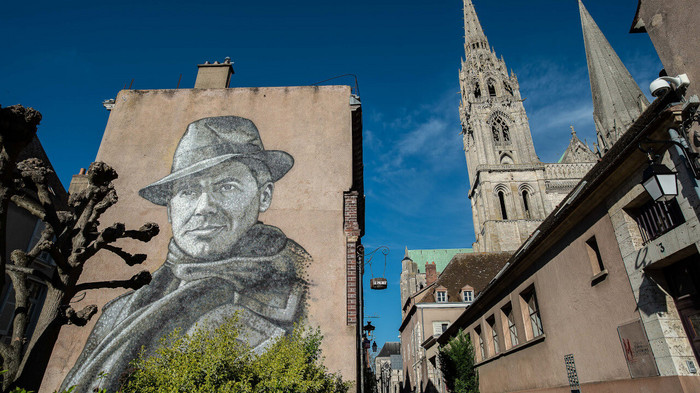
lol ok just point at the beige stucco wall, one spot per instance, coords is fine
(418, 328)
(577, 318)
(313, 124)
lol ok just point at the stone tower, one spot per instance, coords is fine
(511, 190)
(617, 99)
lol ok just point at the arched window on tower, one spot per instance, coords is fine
(506, 160)
(526, 204)
(477, 90)
(492, 88)
(502, 200)
(505, 131)
(500, 130)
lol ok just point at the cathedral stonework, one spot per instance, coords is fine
(512, 191)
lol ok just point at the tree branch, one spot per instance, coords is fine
(137, 281)
(31, 272)
(5, 352)
(117, 231)
(30, 205)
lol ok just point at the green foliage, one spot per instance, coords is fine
(457, 365)
(20, 390)
(216, 361)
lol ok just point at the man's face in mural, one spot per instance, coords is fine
(209, 212)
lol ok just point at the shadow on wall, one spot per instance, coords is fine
(652, 298)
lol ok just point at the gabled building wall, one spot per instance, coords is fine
(620, 320)
(318, 204)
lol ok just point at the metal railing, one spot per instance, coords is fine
(656, 218)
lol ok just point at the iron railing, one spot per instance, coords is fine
(656, 218)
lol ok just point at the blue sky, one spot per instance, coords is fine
(65, 58)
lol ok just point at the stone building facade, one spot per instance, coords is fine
(429, 312)
(604, 297)
(605, 294)
(512, 191)
(284, 164)
(388, 368)
(421, 267)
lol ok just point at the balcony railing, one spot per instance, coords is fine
(656, 218)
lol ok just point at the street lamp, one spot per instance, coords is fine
(660, 182)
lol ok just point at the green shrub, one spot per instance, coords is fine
(457, 365)
(216, 361)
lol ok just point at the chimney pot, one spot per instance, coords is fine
(213, 76)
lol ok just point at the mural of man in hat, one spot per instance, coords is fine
(221, 259)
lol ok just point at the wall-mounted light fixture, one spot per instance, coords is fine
(660, 182)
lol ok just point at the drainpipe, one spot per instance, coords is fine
(675, 137)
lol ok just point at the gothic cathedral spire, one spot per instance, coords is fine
(494, 121)
(511, 190)
(617, 99)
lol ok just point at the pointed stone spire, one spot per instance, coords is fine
(617, 99)
(406, 254)
(474, 37)
(577, 151)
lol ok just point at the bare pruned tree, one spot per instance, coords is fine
(70, 236)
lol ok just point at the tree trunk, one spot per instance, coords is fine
(38, 350)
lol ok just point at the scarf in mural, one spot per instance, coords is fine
(262, 282)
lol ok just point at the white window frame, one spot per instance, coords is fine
(441, 296)
(471, 296)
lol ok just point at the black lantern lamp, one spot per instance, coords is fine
(660, 182)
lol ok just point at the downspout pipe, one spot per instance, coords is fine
(681, 147)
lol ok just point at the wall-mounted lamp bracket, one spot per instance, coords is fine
(691, 157)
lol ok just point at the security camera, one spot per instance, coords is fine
(661, 85)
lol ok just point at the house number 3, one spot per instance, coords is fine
(661, 247)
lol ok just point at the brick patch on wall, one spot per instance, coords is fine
(351, 227)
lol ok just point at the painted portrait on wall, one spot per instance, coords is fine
(221, 259)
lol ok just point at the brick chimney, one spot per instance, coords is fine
(430, 273)
(79, 182)
(214, 76)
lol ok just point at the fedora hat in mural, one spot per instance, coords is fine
(211, 141)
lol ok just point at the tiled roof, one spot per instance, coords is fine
(441, 257)
(390, 348)
(475, 269)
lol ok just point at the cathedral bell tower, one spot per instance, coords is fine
(511, 190)
(494, 122)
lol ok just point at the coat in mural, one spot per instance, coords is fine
(221, 258)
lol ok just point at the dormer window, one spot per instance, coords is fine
(441, 296)
(467, 296)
